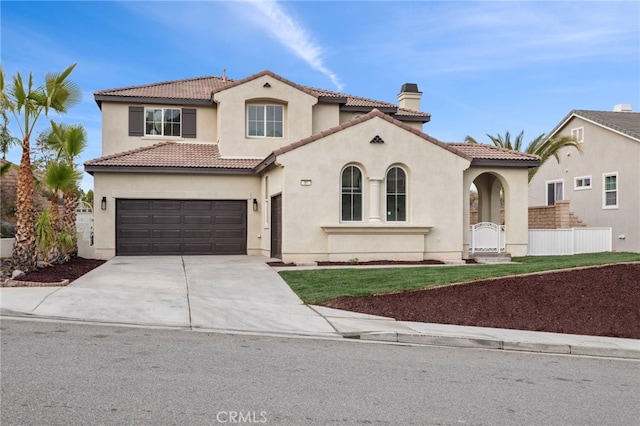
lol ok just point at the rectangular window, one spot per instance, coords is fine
(583, 182)
(610, 190)
(265, 121)
(578, 134)
(162, 122)
(554, 192)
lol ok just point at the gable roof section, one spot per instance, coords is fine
(177, 157)
(477, 154)
(625, 123)
(200, 91)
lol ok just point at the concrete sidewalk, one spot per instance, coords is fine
(244, 294)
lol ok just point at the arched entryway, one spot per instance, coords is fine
(485, 224)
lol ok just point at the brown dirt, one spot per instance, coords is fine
(600, 301)
(71, 270)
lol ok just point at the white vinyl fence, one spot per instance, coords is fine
(568, 241)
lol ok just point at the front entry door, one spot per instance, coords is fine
(276, 226)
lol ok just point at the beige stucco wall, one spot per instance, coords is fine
(604, 151)
(231, 122)
(170, 186)
(313, 230)
(115, 128)
(325, 116)
(514, 182)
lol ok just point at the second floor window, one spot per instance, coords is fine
(162, 121)
(265, 121)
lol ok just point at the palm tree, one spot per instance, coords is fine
(68, 142)
(544, 147)
(27, 103)
(59, 177)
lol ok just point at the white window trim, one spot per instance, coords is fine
(574, 130)
(604, 191)
(161, 137)
(265, 104)
(546, 190)
(583, 187)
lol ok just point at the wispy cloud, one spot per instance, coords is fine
(283, 27)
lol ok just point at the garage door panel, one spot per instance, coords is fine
(134, 204)
(148, 227)
(133, 248)
(167, 219)
(197, 220)
(166, 248)
(133, 233)
(166, 234)
(230, 206)
(166, 205)
(133, 219)
(195, 234)
(228, 220)
(198, 205)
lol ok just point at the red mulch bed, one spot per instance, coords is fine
(600, 301)
(71, 271)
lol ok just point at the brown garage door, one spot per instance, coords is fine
(157, 227)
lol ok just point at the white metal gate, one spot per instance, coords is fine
(487, 237)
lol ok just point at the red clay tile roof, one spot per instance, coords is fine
(174, 155)
(201, 89)
(490, 152)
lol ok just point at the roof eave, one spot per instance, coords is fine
(481, 162)
(91, 169)
(386, 110)
(151, 100)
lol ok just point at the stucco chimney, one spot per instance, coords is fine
(409, 97)
(622, 108)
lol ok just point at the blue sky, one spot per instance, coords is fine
(483, 67)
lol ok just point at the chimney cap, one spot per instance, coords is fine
(410, 88)
(622, 108)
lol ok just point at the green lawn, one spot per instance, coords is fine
(319, 285)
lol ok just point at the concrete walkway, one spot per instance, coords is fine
(244, 294)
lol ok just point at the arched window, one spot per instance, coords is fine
(396, 195)
(351, 194)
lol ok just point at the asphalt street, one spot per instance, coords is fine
(63, 373)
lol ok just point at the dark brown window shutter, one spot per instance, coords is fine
(188, 122)
(136, 121)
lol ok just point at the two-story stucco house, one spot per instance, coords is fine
(603, 183)
(269, 167)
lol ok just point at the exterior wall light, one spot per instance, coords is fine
(103, 203)
(255, 205)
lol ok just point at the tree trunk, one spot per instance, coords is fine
(54, 213)
(25, 255)
(69, 216)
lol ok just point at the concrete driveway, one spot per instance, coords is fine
(211, 292)
(244, 294)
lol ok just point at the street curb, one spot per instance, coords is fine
(469, 342)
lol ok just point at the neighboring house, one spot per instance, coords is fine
(603, 183)
(269, 167)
